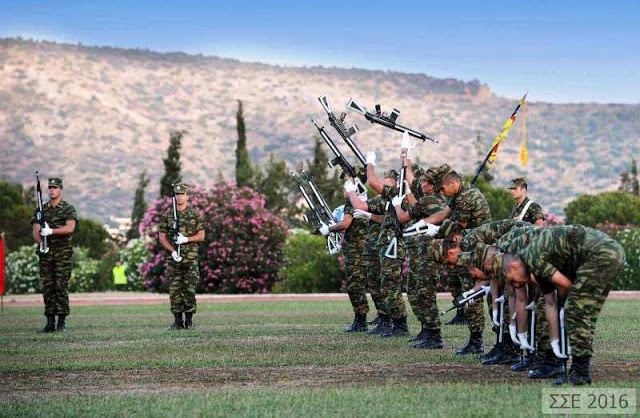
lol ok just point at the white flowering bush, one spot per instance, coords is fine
(22, 271)
(84, 275)
(133, 256)
(629, 277)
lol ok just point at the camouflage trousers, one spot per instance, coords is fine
(374, 283)
(587, 295)
(356, 278)
(543, 342)
(183, 281)
(391, 280)
(474, 311)
(421, 285)
(55, 271)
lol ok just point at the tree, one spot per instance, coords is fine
(274, 184)
(318, 169)
(616, 207)
(91, 235)
(244, 170)
(635, 183)
(482, 152)
(15, 216)
(139, 207)
(499, 199)
(172, 164)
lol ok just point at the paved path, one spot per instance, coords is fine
(143, 298)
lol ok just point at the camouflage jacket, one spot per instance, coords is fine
(560, 248)
(534, 212)
(470, 206)
(376, 206)
(488, 233)
(388, 227)
(356, 235)
(190, 223)
(426, 206)
(57, 216)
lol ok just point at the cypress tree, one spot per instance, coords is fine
(171, 164)
(139, 207)
(244, 171)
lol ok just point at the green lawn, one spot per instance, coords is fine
(268, 358)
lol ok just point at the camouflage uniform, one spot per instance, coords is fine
(423, 270)
(534, 212)
(391, 268)
(353, 248)
(468, 205)
(372, 258)
(183, 275)
(489, 233)
(587, 257)
(56, 265)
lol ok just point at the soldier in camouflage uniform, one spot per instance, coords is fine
(470, 209)
(423, 270)
(581, 263)
(56, 264)
(182, 269)
(373, 211)
(355, 231)
(525, 209)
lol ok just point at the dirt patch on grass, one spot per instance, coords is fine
(118, 382)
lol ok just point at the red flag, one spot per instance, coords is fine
(1, 265)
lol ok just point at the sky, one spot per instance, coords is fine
(560, 51)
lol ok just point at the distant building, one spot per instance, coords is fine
(119, 232)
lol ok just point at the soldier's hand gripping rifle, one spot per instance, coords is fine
(175, 225)
(44, 246)
(388, 121)
(339, 159)
(484, 290)
(392, 248)
(333, 240)
(318, 217)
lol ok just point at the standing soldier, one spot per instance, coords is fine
(56, 264)
(182, 270)
(355, 235)
(525, 209)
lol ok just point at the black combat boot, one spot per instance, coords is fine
(580, 373)
(398, 329)
(61, 325)
(375, 321)
(507, 354)
(420, 336)
(459, 319)
(432, 341)
(51, 324)
(383, 326)
(188, 320)
(177, 323)
(551, 367)
(359, 324)
(524, 364)
(474, 346)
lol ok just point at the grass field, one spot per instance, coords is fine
(268, 359)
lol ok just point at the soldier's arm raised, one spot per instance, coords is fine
(438, 217)
(343, 224)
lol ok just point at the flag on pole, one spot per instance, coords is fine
(524, 154)
(503, 133)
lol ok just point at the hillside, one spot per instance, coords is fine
(98, 116)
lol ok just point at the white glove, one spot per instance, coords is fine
(524, 341)
(555, 345)
(432, 230)
(397, 201)
(181, 239)
(349, 186)
(513, 332)
(417, 225)
(361, 214)
(467, 293)
(324, 229)
(176, 257)
(486, 289)
(371, 158)
(46, 231)
(494, 317)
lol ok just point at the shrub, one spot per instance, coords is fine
(616, 207)
(85, 271)
(22, 271)
(629, 237)
(242, 252)
(309, 268)
(133, 256)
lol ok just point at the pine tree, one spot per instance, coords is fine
(318, 169)
(486, 174)
(139, 207)
(274, 185)
(635, 184)
(172, 164)
(244, 170)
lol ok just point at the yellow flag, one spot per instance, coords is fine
(524, 154)
(503, 133)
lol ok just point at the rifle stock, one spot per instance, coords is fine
(44, 245)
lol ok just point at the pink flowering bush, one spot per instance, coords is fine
(242, 252)
(551, 219)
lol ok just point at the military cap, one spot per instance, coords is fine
(55, 182)
(497, 268)
(393, 174)
(426, 177)
(519, 182)
(480, 254)
(466, 259)
(181, 188)
(449, 227)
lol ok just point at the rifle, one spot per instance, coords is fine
(462, 302)
(338, 124)
(564, 339)
(387, 121)
(340, 160)
(531, 307)
(44, 247)
(318, 217)
(500, 338)
(392, 249)
(175, 226)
